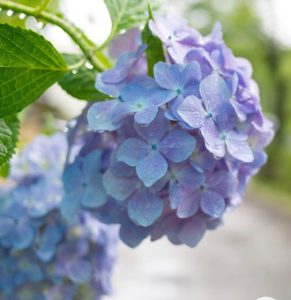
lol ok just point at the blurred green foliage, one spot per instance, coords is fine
(244, 33)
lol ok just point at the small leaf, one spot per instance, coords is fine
(9, 130)
(29, 65)
(82, 84)
(126, 13)
(154, 51)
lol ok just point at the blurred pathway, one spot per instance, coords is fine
(248, 258)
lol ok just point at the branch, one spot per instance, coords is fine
(96, 58)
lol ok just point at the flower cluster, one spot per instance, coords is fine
(42, 256)
(169, 155)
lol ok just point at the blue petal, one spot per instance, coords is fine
(177, 145)
(212, 204)
(92, 163)
(156, 130)
(144, 208)
(100, 116)
(132, 235)
(131, 151)
(70, 204)
(192, 232)
(192, 112)
(146, 115)
(95, 195)
(120, 188)
(107, 88)
(214, 91)
(23, 236)
(6, 225)
(151, 168)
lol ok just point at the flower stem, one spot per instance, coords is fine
(99, 61)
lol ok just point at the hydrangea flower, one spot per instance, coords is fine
(177, 149)
(42, 256)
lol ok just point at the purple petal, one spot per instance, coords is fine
(189, 202)
(79, 270)
(99, 116)
(132, 150)
(156, 130)
(192, 232)
(144, 208)
(213, 141)
(192, 112)
(212, 204)
(177, 145)
(238, 147)
(226, 118)
(151, 168)
(189, 177)
(120, 112)
(222, 182)
(214, 91)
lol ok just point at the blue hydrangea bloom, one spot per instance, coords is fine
(42, 256)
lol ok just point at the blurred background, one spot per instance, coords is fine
(249, 257)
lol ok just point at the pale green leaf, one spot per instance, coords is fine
(126, 13)
(9, 130)
(29, 64)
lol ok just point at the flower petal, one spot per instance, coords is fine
(192, 232)
(177, 145)
(212, 204)
(214, 91)
(189, 177)
(146, 115)
(213, 142)
(192, 112)
(151, 168)
(144, 208)
(189, 203)
(156, 130)
(131, 151)
(120, 188)
(223, 183)
(100, 114)
(238, 147)
(95, 194)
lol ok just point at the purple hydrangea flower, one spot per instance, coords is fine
(178, 149)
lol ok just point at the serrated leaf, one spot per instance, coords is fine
(9, 130)
(154, 51)
(82, 84)
(29, 65)
(126, 13)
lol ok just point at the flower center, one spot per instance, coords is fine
(178, 91)
(154, 146)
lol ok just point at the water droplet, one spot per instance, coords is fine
(9, 13)
(88, 66)
(22, 16)
(40, 25)
(74, 72)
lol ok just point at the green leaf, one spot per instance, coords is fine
(81, 85)
(126, 13)
(5, 170)
(9, 130)
(154, 51)
(29, 65)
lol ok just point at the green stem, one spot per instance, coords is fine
(96, 58)
(42, 6)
